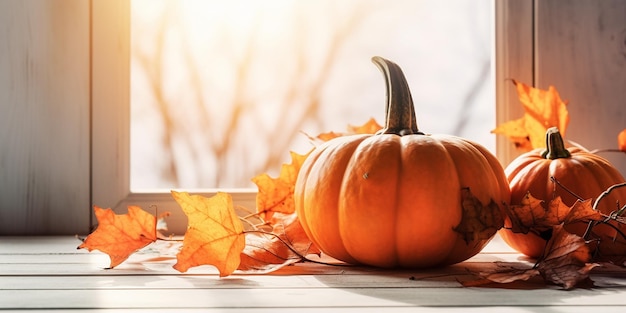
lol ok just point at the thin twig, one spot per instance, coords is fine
(606, 150)
(595, 208)
(556, 181)
(606, 193)
(168, 239)
(616, 229)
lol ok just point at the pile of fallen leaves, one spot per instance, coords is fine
(233, 238)
(567, 259)
(220, 233)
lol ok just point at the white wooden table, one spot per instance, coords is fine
(48, 273)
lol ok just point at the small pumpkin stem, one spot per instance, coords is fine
(555, 148)
(400, 112)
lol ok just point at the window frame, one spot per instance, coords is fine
(110, 102)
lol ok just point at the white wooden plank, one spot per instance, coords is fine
(139, 267)
(98, 259)
(498, 309)
(150, 284)
(363, 280)
(44, 125)
(311, 298)
(68, 244)
(38, 244)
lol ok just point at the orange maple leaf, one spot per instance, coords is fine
(370, 127)
(214, 235)
(543, 109)
(621, 140)
(276, 194)
(120, 235)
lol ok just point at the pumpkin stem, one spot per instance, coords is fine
(399, 109)
(555, 148)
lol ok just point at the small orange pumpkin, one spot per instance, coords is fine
(585, 174)
(393, 199)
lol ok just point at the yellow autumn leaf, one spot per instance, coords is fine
(214, 235)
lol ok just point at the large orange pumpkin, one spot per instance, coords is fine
(584, 174)
(394, 199)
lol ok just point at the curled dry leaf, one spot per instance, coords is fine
(276, 194)
(289, 228)
(120, 235)
(566, 260)
(265, 253)
(286, 244)
(565, 263)
(214, 235)
(542, 109)
(508, 273)
(478, 221)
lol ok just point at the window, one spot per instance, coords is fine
(222, 90)
(111, 94)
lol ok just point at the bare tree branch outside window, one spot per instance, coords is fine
(222, 90)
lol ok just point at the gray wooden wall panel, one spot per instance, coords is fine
(44, 119)
(581, 50)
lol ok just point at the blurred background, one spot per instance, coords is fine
(223, 90)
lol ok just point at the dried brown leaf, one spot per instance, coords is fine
(524, 216)
(566, 260)
(530, 214)
(265, 253)
(505, 274)
(268, 252)
(289, 228)
(555, 214)
(582, 211)
(479, 221)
